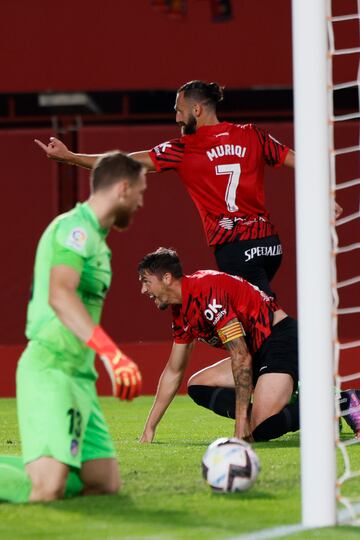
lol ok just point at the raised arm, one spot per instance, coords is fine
(290, 162)
(290, 159)
(58, 151)
(169, 383)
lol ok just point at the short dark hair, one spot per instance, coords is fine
(160, 262)
(207, 93)
(112, 167)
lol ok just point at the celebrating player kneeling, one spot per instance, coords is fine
(228, 312)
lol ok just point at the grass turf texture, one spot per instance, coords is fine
(163, 495)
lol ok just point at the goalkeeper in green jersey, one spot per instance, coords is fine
(66, 444)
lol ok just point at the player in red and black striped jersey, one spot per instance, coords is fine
(211, 300)
(222, 166)
(227, 312)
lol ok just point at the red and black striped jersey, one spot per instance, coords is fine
(210, 300)
(222, 167)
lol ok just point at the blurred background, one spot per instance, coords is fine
(103, 76)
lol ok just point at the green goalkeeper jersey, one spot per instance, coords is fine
(73, 239)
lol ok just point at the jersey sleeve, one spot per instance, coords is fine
(168, 155)
(181, 336)
(274, 152)
(179, 331)
(72, 244)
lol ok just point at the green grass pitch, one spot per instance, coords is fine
(164, 496)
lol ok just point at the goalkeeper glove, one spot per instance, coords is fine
(124, 373)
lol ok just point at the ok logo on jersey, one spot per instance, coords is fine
(212, 310)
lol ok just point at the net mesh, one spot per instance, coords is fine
(344, 114)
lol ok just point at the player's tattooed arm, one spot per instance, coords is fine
(241, 363)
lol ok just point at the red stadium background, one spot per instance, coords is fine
(130, 45)
(102, 49)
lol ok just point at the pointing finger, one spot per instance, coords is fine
(41, 144)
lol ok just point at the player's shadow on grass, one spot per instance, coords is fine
(294, 442)
(279, 443)
(120, 510)
(172, 443)
(250, 495)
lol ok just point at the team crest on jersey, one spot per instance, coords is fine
(161, 148)
(74, 447)
(77, 239)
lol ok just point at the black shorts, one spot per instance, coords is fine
(256, 261)
(279, 352)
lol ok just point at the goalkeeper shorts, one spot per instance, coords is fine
(59, 415)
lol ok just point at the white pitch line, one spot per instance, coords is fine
(274, 532)
(286, 530)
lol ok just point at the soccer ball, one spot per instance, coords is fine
(229, 465)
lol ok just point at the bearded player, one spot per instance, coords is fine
(222, 166)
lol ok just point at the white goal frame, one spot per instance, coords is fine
(314, 207)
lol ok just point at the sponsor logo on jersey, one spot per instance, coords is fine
(161, 148)
(263, 250)
(226, 150)
(214, 312)
(229, 223)
(77, 239)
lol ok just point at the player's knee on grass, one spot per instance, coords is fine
(101, 477)
(111, 487)
(219, 400)
(277, 425)
(48, 479)
(47, 489)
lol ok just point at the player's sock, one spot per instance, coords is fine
(277, 425)
(222, 402)
(217, 399)
(74, 484)
(15, 461)
(15, 484)
(351, 399)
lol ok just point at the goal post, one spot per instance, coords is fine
(313, 239)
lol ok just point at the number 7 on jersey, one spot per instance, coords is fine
(234, 171)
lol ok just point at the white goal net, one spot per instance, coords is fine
(326, 52)
(344, 114)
